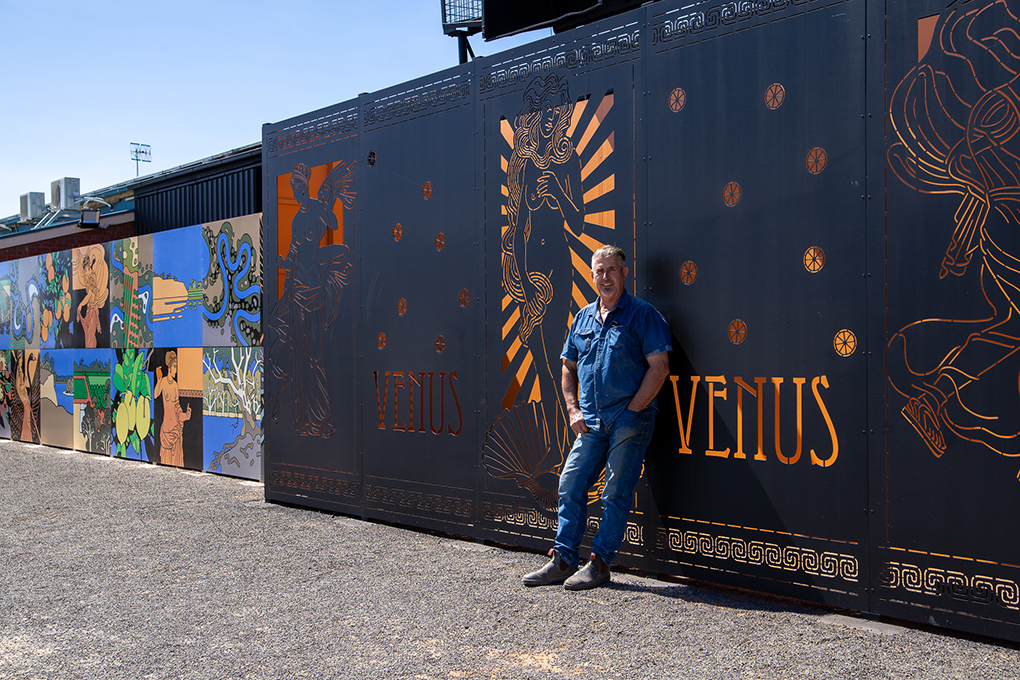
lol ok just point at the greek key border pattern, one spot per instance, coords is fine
(402, 106)
(622, 44)
(305, 135)
(787, 558)
(936, 582)
(419, 500)
(290, 480)
(633, 535)
(507, 513)
(721, 17)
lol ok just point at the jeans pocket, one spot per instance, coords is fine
(628, 418)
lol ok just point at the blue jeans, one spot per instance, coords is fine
(621, 451)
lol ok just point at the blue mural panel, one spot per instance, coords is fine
(180, 262)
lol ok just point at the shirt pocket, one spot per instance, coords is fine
(584, 341)
(614, 337)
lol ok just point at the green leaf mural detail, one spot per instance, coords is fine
(132, 384)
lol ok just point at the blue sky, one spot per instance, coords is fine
(83, 79)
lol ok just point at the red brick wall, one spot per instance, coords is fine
(81, 238)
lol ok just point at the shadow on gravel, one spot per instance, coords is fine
(696, 592)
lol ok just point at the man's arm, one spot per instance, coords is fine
(658, 370)
(568, 383)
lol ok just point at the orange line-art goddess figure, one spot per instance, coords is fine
(89, 267)
(956, 116)
(171, 432)
(544, 179)
(544, 205)
(315, 277)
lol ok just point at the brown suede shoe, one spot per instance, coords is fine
(593, 575)
(555, 571)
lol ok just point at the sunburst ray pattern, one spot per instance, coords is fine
(594, 142)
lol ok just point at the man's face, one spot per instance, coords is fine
(608, 274)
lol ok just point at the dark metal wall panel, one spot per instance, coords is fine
(756, 240)
(421, 277)
(310, 277)
(944, 402)
(557, 118)
(817, 194)
(232, 194)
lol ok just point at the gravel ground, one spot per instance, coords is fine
(118, 569)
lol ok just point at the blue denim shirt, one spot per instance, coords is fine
(610, 357)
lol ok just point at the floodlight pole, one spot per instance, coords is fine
(465, 47)
(462, 19)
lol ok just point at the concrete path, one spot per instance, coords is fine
(117, 569)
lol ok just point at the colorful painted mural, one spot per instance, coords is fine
(180, 262)
(232, 288)
(93, 412)
(110, 348)
(132, 405)
(232, 410)
(56, 398)
(56, 324)
(90, 295)
(24, 395)
(131, 293)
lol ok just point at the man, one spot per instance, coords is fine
(614, 361)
